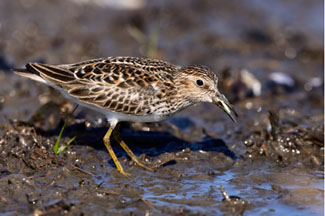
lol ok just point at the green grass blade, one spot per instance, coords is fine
(153, 42)
(56, 146)
(65, 146)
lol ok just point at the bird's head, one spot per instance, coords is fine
(199, 84)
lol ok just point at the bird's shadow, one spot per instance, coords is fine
(151, 143)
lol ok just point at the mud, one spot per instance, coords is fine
(269, 163)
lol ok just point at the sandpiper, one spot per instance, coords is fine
(131, 89)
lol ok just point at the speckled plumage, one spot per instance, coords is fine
(130, 88)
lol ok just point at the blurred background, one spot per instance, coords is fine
(268, 56)
(281, 42)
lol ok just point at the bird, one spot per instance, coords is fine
(131, 89)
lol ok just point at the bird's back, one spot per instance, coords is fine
(127, 85)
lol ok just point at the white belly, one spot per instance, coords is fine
(110, 115)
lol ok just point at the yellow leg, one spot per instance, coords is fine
(117, 137)
(107, 143)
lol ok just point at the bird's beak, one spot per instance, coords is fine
(221, 101)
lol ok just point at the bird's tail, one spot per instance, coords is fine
(55, 74)
(29, 72)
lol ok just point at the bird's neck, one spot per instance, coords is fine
(179, 102)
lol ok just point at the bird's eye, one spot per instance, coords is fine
(199, 82)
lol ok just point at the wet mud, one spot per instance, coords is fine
(269, 61)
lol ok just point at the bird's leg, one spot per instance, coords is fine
(117, 137)
(107, 143)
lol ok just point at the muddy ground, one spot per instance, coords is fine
(269, 59)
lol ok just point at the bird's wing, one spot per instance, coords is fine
(121, 84)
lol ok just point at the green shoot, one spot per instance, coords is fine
(150, 41)
(153, 42)
(57, 148)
